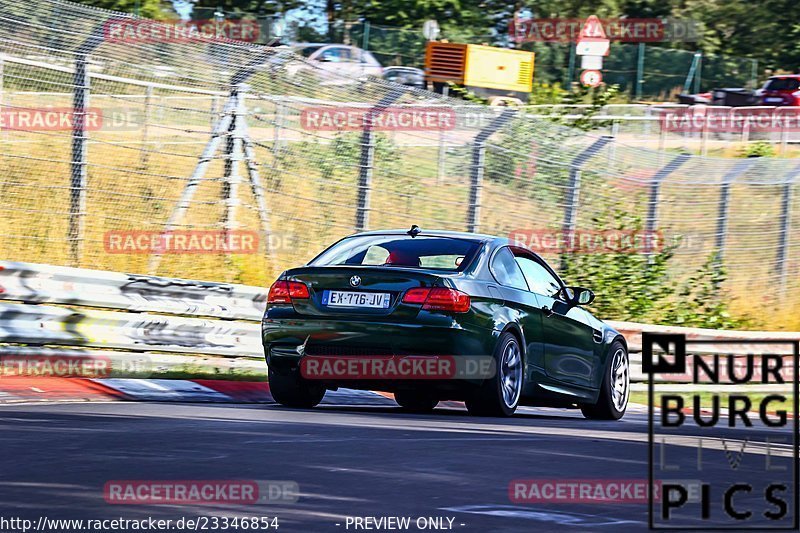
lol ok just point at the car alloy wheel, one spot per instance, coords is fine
(511, 374)
(620, 380)
(500, 394)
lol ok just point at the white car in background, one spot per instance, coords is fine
(340, 61)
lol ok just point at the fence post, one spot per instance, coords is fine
(214, 111)
(145, 151)
(784, 134)
(365, 36)
(233, 156)
(77, 197)
(724, 204)
(367, 160)
(571, 71)
(699, 72)
(277, 125)
(639, 72)
(781, 263)
(655, 191)
(573, 190)
(440, 162)
(704, 134)
(80, 105)
(2, 81)
(478, 166)
(612, 150)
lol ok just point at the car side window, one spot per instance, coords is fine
(335, 54)
(539, 279)
(368, 59)
(506, 271)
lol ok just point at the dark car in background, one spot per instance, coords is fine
(781, 91)
(436, 294)
(409, 76)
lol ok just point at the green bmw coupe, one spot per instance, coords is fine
(436, 315)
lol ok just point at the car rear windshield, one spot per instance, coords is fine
(783, 84)
(439, 253)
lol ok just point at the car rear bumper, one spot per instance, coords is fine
(292, 344)
(293, 338)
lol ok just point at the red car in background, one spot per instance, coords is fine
(781, 90)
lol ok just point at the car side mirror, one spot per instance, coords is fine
(575, 296)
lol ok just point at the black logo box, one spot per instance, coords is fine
(678, 366)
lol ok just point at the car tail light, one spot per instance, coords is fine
(416, 296)
(438, 299)
(283, 292)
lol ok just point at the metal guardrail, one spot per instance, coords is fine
(35, 283)
(49, 307)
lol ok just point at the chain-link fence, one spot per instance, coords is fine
(199, 135)
(642, 70)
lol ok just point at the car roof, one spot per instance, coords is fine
(435, 233)
(785, 76)
(320, 45)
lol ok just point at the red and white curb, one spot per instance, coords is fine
(27, 389)
(19, 389)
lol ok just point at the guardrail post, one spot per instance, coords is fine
(724, 197)
(573, 190)
(367, 160)
(781, 263)
(80, 107)
(479, 165)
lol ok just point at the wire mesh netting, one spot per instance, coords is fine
(212, 135)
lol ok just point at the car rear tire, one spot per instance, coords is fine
(615, 390)
(499, 395)
(415, 402)
(289, 388)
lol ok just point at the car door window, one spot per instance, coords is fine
(336, 55)
(539, 279)
(506, 271)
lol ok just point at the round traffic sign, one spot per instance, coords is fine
(430, 29)
(591, 78)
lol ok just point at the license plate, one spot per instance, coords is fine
(372, 300)
(776, 100)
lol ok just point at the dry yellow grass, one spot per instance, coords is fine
(311, 194)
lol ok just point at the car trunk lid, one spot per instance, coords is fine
(369, 292)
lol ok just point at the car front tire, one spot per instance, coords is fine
(290, 389)
(615, 390)
(499, 395)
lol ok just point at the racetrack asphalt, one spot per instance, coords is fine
(347, 460)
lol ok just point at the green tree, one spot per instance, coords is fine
(153, 9)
